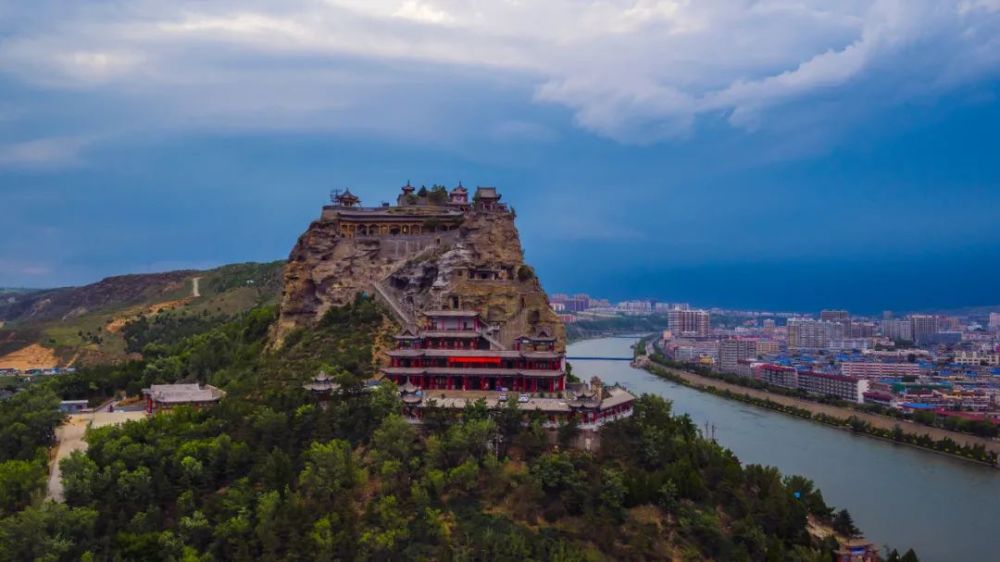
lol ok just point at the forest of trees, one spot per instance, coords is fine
(270, 474)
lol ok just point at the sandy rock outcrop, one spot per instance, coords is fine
(479, 266)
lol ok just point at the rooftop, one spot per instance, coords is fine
(450, 313)
(183, 393)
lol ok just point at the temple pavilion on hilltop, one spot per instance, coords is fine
(454, 350)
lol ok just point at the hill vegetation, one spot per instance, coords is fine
(101, 322)
(272, 474)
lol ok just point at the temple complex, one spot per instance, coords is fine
(425, 212)
(453, 350)
(475, 322)
(451, 360)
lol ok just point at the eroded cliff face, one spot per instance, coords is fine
(479, 266)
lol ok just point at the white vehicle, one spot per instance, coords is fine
(503, 397)
(522, 398)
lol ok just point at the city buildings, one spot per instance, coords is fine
(732, 351)
(688, 323)
(977, 358)
(834, 316)
(826, 384)
(813, 334)
(871, 370)
(898, 329)
(924, 328)
(994, 323)
(777, 375)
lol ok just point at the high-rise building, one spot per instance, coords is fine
(860, 330)
(732, 351)
(898, 330)
(834, 315)
(995, 321)
(688, 322)
(767, 347)
(924, 327)
(804, 333)
(768, 326)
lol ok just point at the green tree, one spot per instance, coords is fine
(49, 531)
(843, 523)
(329, 470)
(20, 481)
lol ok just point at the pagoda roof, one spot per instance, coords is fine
(487, 193)
(465, 334)
(542, 335)
(408, 332)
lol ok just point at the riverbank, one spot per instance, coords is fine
(960, 445)
(898, 495)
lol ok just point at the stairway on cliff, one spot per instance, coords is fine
(403, 313)
(383, 295)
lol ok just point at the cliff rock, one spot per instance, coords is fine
(459, 256)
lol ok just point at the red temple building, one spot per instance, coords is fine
(453, 360)
(455, 351)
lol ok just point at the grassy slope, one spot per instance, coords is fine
(86, 337)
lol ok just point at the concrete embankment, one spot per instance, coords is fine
(882, 422)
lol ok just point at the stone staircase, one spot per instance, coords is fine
(383, 295)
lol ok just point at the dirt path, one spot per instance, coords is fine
(883, 422)
(196, 287)
(70, 437)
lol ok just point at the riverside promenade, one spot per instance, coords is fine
(883, 422)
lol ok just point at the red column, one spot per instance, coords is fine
(465, 383)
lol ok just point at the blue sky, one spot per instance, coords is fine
(783, 155)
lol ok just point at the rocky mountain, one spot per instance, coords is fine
(425, 253)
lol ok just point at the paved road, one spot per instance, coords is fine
(69, 438)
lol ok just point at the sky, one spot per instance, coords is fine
(783, 155)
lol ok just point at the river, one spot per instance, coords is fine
(944, 508)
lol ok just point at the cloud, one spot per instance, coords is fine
(635, 71)
(22, 271)
(42, 153)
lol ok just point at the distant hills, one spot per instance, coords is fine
(72, 325)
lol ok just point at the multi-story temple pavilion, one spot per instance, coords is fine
(454, 350)
(417, 212)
